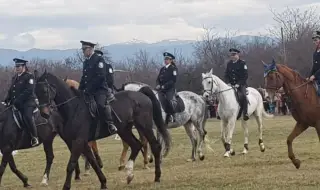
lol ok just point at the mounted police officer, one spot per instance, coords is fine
(109, 71)
(166, 82)
(21, 96)
(236, 75)
(94, 84)
(315, 72)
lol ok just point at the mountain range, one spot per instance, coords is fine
(121, 51)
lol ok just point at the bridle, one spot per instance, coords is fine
(49, 101)
(276, 88)
(210, 92)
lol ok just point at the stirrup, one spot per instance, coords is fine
(34, 141)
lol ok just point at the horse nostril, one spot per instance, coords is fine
(207, 96)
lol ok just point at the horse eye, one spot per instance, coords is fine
(209, 82)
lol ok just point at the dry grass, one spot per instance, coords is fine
(269, 170)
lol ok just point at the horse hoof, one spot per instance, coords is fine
(77, 179)
(28, 186)
(191, 160)
(244, 151)
(201, 157)
(121, 168)
(130, 178)
(151, 159)
(297, 163)
(146, 168)
(262, 147)
(232, 153)
(44, 184)
(104, 187)
(86, 173)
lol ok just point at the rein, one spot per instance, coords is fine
(49, 98)
(210, 91)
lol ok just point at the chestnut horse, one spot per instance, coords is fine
(94, 147)
(305, 102)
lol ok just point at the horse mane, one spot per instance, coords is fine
(296, 75)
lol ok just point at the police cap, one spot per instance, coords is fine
(19, 62)
(168, 55)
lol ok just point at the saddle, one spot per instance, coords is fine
(178, 104)
(239, 97)
(17, 116)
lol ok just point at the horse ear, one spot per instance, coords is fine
(210, 71)
(65, 78)
(203, 75)
(263, 63)
(36, 74)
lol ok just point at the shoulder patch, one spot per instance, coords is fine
(100, 65)
(174, 72)
(30, 81)
(110, 70)
(245, 67)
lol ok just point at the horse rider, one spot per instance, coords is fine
(166, 82)
(315, 72)
(94, 84)
(236, 75)
(109, 71)
(21, 96)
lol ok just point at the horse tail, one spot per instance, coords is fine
(265, 114)
(157, 118)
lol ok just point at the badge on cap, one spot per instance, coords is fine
(100, 65)
(110, 70)
(245, 67)
(174, 73)
(31, 81)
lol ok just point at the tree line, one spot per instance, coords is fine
(292, 47)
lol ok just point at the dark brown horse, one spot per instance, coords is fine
(140, 109)
(305, 102)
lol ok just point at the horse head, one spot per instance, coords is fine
(209, 84)
(273, 79)
(45, 93)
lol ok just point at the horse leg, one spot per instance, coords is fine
(135, 146)
(230, 129)
(14, 169)
(244, 125)
(155, 147)
(202, 133)
(189, 130)
(144, 142)
(77, 167)
(224, 125)
(3, 166)
(93, 162)
(260, 129)
(298, 129)
(96, 153)
(47, 146)
(125, 148)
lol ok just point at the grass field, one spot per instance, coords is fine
(269, 170)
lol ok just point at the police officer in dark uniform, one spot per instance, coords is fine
(315, 72)
(236, 75)
(21, 95)
(166, 82)
(93, 83)
(109, 71)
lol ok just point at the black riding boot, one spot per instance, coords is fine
(109, 120)
(245, 109)
(33, 131)
(171, 115)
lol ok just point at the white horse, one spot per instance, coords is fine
(228, 110)
(193, 116)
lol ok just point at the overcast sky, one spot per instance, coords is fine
(62, 24)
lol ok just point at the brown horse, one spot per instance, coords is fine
(92, 144)
(94, 147)
(305, 102)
